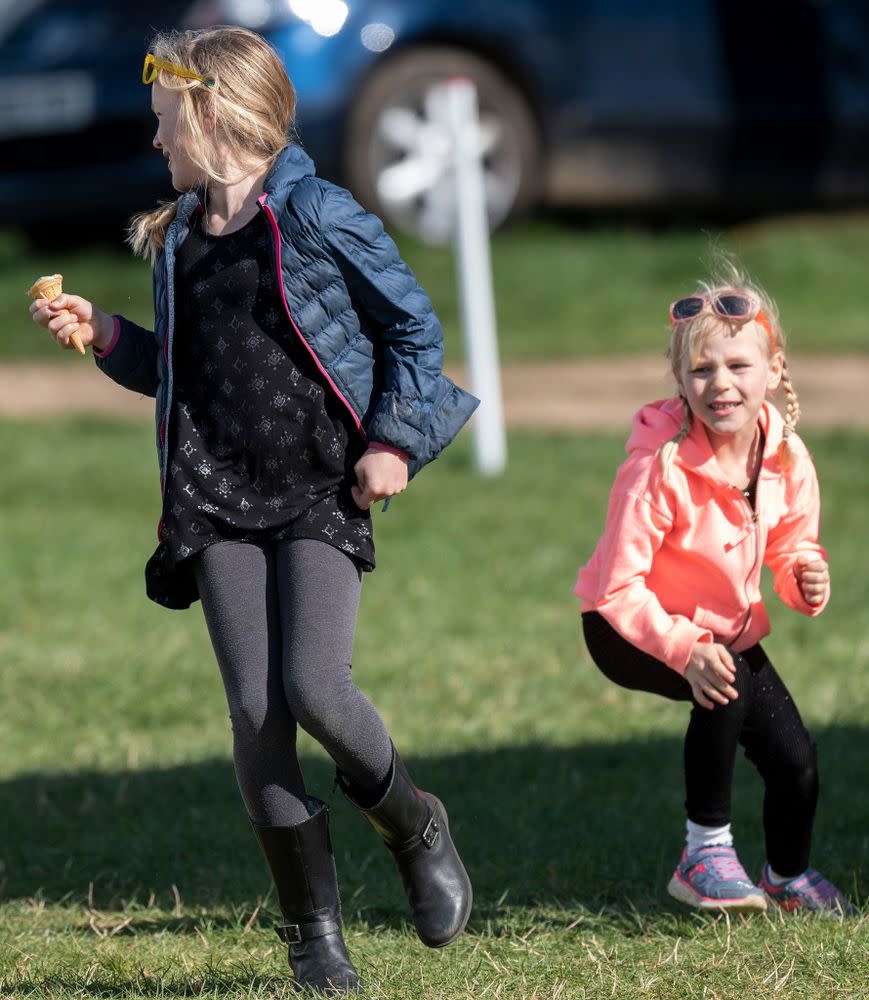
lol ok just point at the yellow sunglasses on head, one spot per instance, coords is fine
(153, 65)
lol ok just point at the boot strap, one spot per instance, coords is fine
(421, 843)
(297, 933)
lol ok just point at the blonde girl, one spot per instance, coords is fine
(296, 366)
(716, 484)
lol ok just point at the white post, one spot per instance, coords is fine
(474, 268)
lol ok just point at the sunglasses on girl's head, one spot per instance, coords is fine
(153, 65)
(727, 305)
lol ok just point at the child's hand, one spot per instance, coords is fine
(711, 674)
(380, 474)
(68, 314)
(813, 577)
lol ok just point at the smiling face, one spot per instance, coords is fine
(726, 383)
(166, 105)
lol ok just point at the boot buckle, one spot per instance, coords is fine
(289, 933)
(430, 833)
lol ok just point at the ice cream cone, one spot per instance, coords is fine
(49, 287)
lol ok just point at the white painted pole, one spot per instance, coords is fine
(474, 270)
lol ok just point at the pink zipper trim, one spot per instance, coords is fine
(277, 236)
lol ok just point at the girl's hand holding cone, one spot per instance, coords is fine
(74, 322)
(50, 288)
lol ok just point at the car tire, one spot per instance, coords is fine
(396, 153)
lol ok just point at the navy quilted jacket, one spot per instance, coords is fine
(353, 301)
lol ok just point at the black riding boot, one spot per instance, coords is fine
(303, 869)
(415, 828)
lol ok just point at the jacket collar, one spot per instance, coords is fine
(188, 203)
(292, 164)
(696, 453)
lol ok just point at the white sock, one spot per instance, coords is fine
(777, 879)
(707, 836)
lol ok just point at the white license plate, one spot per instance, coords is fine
(48, 104)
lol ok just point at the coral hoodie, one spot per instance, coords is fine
(679, 561)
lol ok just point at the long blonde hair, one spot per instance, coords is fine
(249, 97)
(687, 339)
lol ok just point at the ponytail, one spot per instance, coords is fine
(146, 231)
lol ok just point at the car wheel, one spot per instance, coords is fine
(397, 150)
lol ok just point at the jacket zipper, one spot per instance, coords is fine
(167, 354)
(753, 534)
(278, 265)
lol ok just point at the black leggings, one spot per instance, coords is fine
(281, 616)
(764, 720)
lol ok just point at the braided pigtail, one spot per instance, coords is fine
(669, 448)
(785, 453)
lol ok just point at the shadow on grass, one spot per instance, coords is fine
(593, 827)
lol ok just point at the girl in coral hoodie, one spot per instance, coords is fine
(716, 484)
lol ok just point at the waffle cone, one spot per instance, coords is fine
(49, 287)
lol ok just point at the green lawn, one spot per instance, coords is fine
(562, 291)
(128, 869)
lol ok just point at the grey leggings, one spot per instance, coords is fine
(281, 617)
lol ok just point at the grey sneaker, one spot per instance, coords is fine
(712, 878)
(809, 891)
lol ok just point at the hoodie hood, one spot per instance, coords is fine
(657, 423)
(654, 425)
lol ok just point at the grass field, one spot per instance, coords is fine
(128, 869)
(562, 291)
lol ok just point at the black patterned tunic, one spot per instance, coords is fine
(260, 448)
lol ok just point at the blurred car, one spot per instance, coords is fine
(674, 105)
